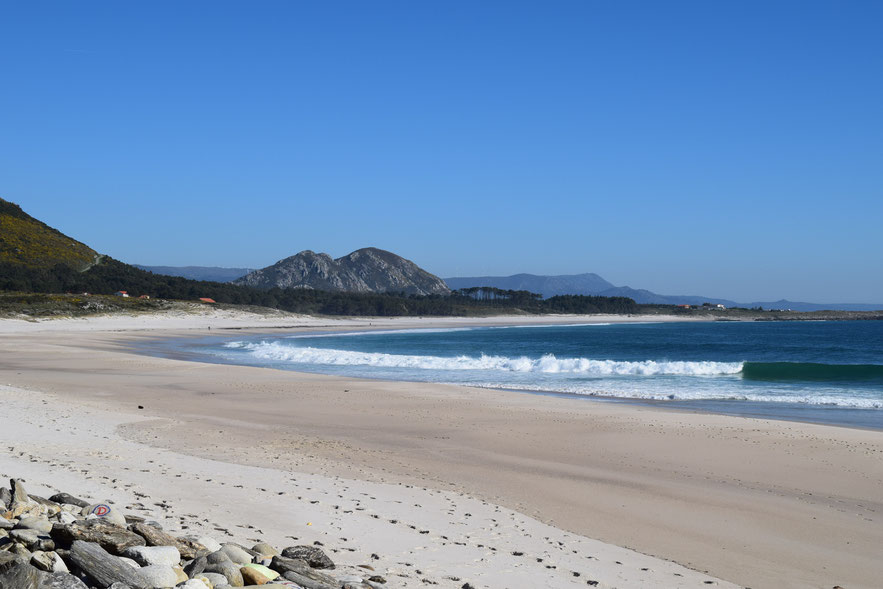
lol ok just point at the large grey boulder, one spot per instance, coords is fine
(298, 571)
(65, 499)
(60, 581)
(32, 539)
(20, 503)
(236, 553)
(156, 537)
(130, 562)
(148, 555)
(34, 522)
(17, 574)
(229, 570)
(20, 551)
(265, 550)
(104, 568)
(111, 538)
(5, 498)
(216, 579)
(159, 576)
(66, 517)
(19, 495)
(216, 557)
(7, 560)
(210, 543)
(49, 562)
(195, 566)
(106, 513)
(50, 507)
(311, 554)
(310, 583)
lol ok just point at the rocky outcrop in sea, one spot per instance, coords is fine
(64, 542)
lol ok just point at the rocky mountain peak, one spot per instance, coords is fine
(368, 269)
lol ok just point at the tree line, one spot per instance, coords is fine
(110, 276)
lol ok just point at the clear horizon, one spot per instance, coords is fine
(729, 151)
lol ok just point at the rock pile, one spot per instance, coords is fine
(66, 543)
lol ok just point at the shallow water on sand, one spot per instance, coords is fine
(830, 372)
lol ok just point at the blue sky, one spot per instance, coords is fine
(730, 149)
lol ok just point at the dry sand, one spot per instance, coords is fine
(759, 503)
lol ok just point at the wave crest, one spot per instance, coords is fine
(549, 363)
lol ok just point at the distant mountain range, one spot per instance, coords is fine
(36, 258)
(365, 270)
(548, 286)
(26, 242)
(592, 284)
(210, 273)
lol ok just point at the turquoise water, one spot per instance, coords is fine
(747, 368)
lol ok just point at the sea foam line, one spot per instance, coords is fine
(548, 364)
(830, 399)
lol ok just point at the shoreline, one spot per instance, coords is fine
(869, 419)
(761, 503)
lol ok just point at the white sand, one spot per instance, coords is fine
(758, 502)
(203, 317)
(450, 538)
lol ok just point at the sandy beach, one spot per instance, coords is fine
(496, 488)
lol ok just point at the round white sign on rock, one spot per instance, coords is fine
(105, 512)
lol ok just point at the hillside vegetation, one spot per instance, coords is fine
(109, 276)
(27, 242)
(35, 258)
(39, 263)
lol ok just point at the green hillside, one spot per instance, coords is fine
(35, 258)
(25, 241)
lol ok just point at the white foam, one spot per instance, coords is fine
(547, 364)
(646, 379)
(687, 394)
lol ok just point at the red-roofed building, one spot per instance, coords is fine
(207, 300)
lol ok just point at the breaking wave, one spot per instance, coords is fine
(548, 364)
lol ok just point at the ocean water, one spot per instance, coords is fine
(815, 371)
